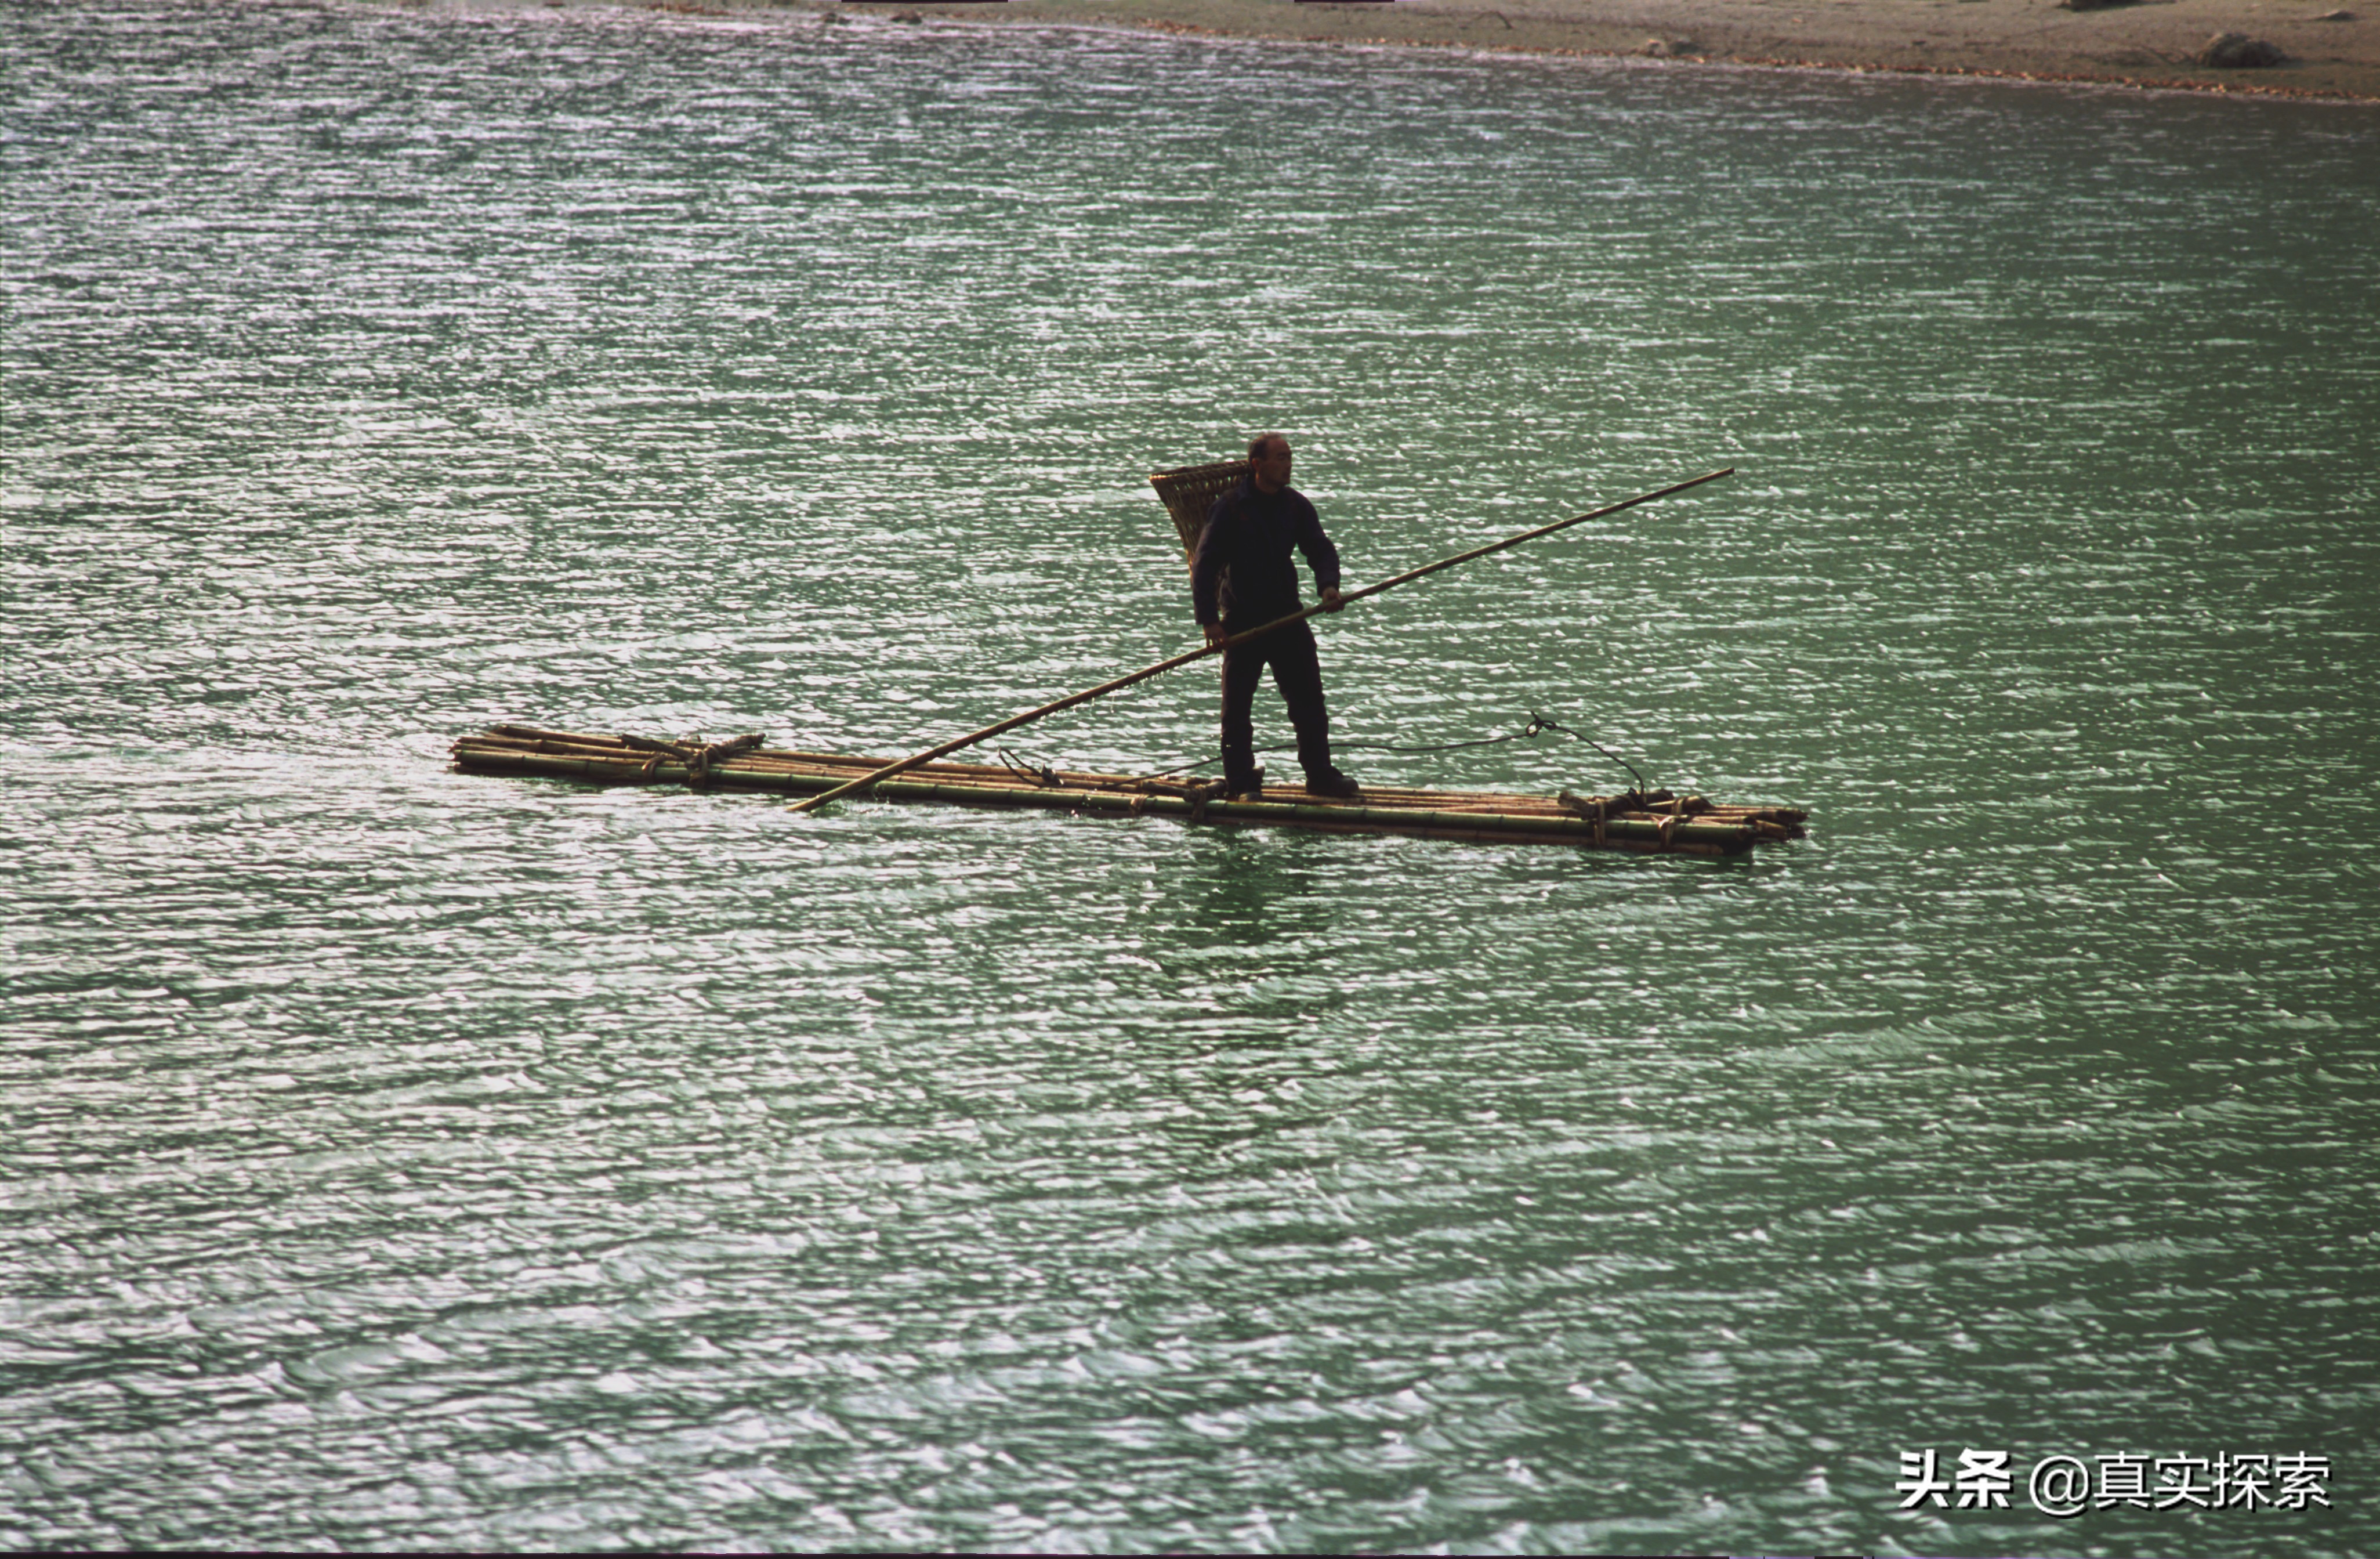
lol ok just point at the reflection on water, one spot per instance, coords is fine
(401, 1159)
(1248, 894)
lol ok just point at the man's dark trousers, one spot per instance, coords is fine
(1297, 672)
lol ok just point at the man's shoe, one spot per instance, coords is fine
(1330, 782)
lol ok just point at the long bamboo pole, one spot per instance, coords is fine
(1144, 674)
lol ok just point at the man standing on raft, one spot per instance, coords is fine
(1243, 578)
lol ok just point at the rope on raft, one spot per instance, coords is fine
(1044, 774)
(1040, 774)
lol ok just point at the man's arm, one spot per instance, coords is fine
(1319, 553)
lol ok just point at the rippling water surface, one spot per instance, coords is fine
(397, 1159)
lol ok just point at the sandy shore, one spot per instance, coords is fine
(2332, 46)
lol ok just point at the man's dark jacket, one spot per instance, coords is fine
(1242, 573)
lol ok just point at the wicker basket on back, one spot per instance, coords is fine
(1189, 493)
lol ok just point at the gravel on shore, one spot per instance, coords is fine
(2328, 51)
(2327, 48)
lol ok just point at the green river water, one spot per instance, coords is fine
(397, 1159)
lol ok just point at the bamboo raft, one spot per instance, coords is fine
(1654, 821)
